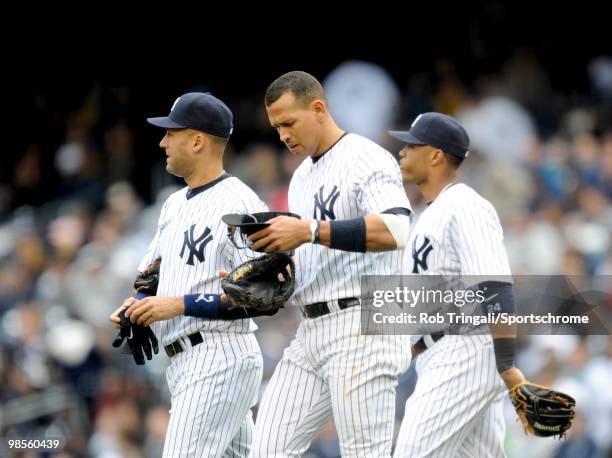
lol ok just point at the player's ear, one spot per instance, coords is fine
(437, 156)
(318, 106)
(199, 142)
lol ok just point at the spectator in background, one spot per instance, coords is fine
(363, 99)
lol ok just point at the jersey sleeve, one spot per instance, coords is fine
(479, 241)
(378, 183)
(153, 251)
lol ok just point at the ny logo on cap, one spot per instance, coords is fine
(175, 102)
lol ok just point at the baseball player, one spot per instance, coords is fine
(215, 362)
(349, 194)
(456, 408)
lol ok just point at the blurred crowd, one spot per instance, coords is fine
(75, 218)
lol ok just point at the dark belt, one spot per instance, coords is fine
(421, 346)
(322, 308)
(176, 346)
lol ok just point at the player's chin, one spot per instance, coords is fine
(407, 177)
(298, 150)
(173, 170)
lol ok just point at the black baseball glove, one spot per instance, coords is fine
(147, 281)
(140, 339)
(543, 412)
(262, 285)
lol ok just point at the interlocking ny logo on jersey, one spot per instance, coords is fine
(325, 205)
(419, 257)
(192, 244)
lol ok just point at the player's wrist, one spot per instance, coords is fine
(179, 305)
(313, 231)
(513, 377)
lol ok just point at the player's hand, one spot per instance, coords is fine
(283, 234)
(114, 317)
(513, 377)
(222, 274)
(155, 308)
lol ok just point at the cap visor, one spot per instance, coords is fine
(164, 122)
(265, 216)
(406, 137)
(238, 219)
(245, 219)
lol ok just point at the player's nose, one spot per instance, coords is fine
(284, 136)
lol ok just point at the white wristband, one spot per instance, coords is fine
(313, 230)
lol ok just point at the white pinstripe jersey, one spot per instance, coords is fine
(459, 233)
(193, 244)
(355, 177)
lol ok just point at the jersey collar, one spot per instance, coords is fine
(316, 158)
(195, 191)
(452, 183)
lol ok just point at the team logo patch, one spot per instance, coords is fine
(195, 246)
(325, 205)
(419, 255)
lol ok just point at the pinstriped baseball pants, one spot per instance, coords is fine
(213, 387)
(331, 371)
(456, 407)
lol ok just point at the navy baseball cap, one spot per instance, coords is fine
(200, 111)
(437, 130)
